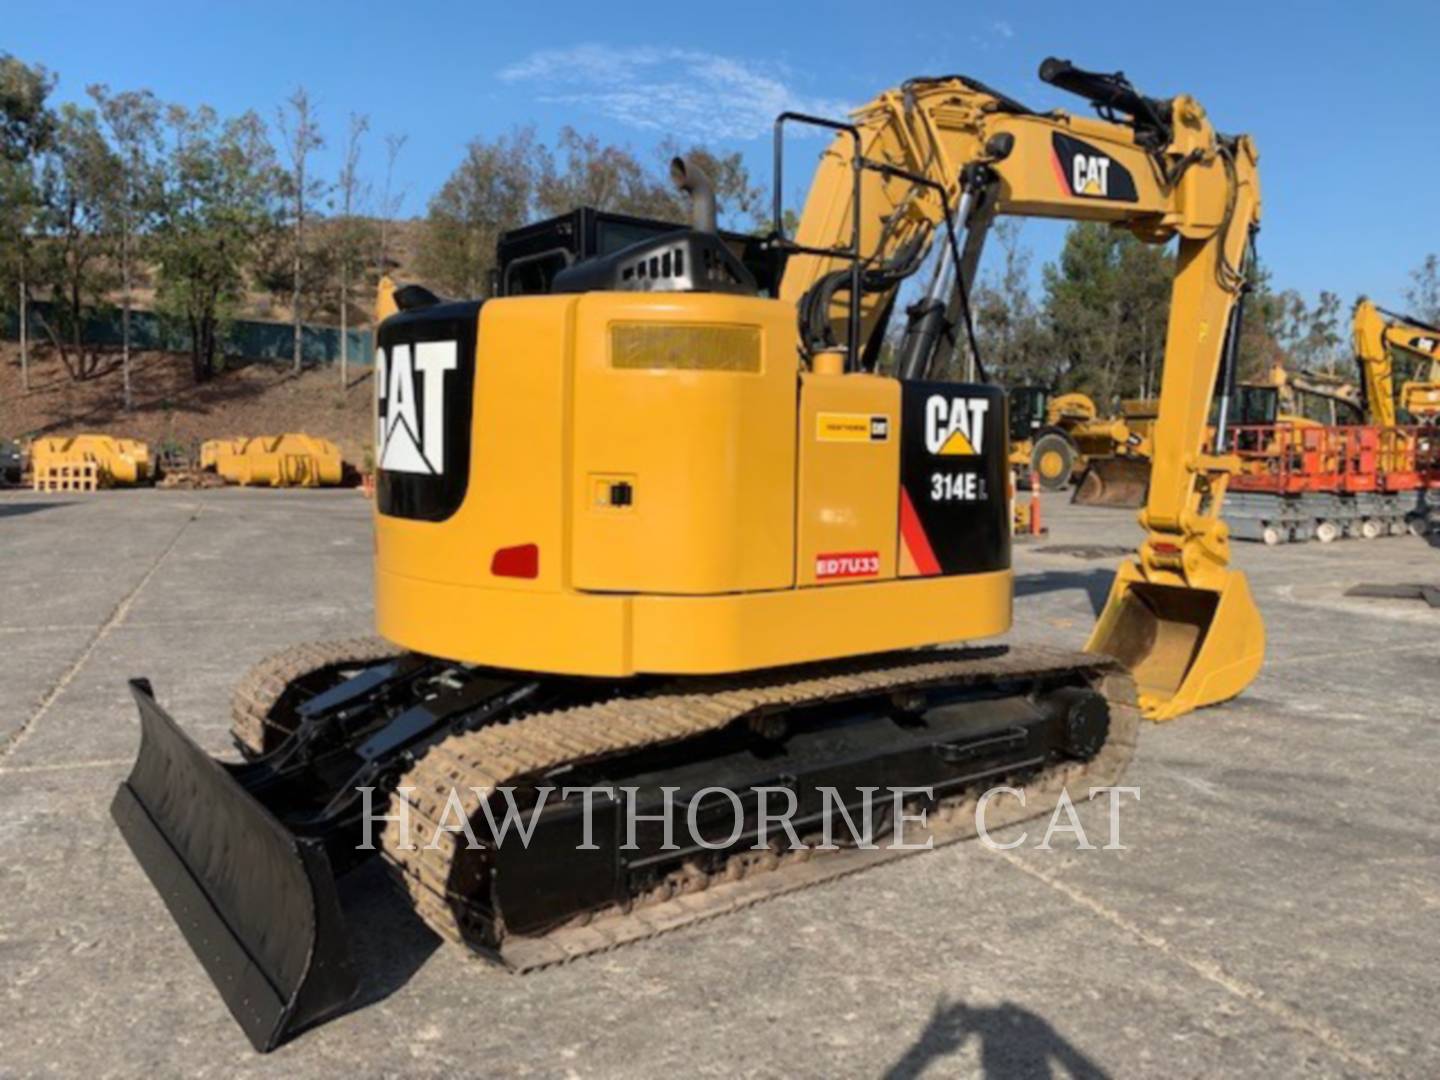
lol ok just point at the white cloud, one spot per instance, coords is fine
(1003, 28)
(684, 92)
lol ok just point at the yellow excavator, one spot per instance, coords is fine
(1380, 336)
(653, 524)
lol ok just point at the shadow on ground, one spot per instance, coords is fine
(1094, 583)
(1013, 1044)
(388, 942)
(16, 509)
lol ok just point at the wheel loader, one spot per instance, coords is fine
(659, 527)
(1061, 438)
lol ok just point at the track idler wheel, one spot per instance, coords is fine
(1086, 718)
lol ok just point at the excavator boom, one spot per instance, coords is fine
(1379, 335)
(934, 161)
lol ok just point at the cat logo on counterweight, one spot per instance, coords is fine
(955, 426)
(410, 405)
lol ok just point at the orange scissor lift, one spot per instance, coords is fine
(1312, 481)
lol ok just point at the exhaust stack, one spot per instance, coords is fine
(691, 179)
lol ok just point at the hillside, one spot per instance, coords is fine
(405, 237)
(256, 399)
(260, 398)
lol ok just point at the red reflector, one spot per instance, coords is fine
(522, 561)
(1166, 549)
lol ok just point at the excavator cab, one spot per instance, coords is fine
(1256, 407)
(1028, 407)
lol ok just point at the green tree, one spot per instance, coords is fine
(354, 235)
(504, 183)
(491, 190)
(26, 122)
(300, 131)
(79, 180)
(1107, 299)
(218, 206)
(1314, 338)
(132, 119)
(390, 200)
(583, 171)
(1262, 327)
(1013, 337)
(27, 127)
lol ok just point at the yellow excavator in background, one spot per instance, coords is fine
(654, 524)
(1379, 335)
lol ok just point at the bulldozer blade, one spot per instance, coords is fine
(1114, 481)
(1186, 647)
(256, 903)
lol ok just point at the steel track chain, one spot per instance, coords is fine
(528, 747)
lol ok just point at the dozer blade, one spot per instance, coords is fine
(1113, 481)
(256, 903)
(1186, 647)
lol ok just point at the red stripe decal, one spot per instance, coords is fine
(1060, 172)
(913, 533)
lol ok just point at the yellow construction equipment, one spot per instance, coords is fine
(655, 527)
(1316, 397)
(1381, 339)
(1064, 438)
(211, 450)
(292, 460)
(118, 462)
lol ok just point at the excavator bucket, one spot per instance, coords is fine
(1186, 647)
(256, 902)
(1114, 481)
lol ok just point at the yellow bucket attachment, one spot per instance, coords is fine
(1114, 481)
(1186, 647)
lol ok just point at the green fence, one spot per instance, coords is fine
(247, 339)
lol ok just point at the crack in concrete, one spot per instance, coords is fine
(101, 632)
(65, 766)
(1208, 970)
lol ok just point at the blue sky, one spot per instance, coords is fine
(1341, 97)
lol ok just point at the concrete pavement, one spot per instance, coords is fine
(1276, 910)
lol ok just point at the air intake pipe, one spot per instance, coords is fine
(691, 179)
